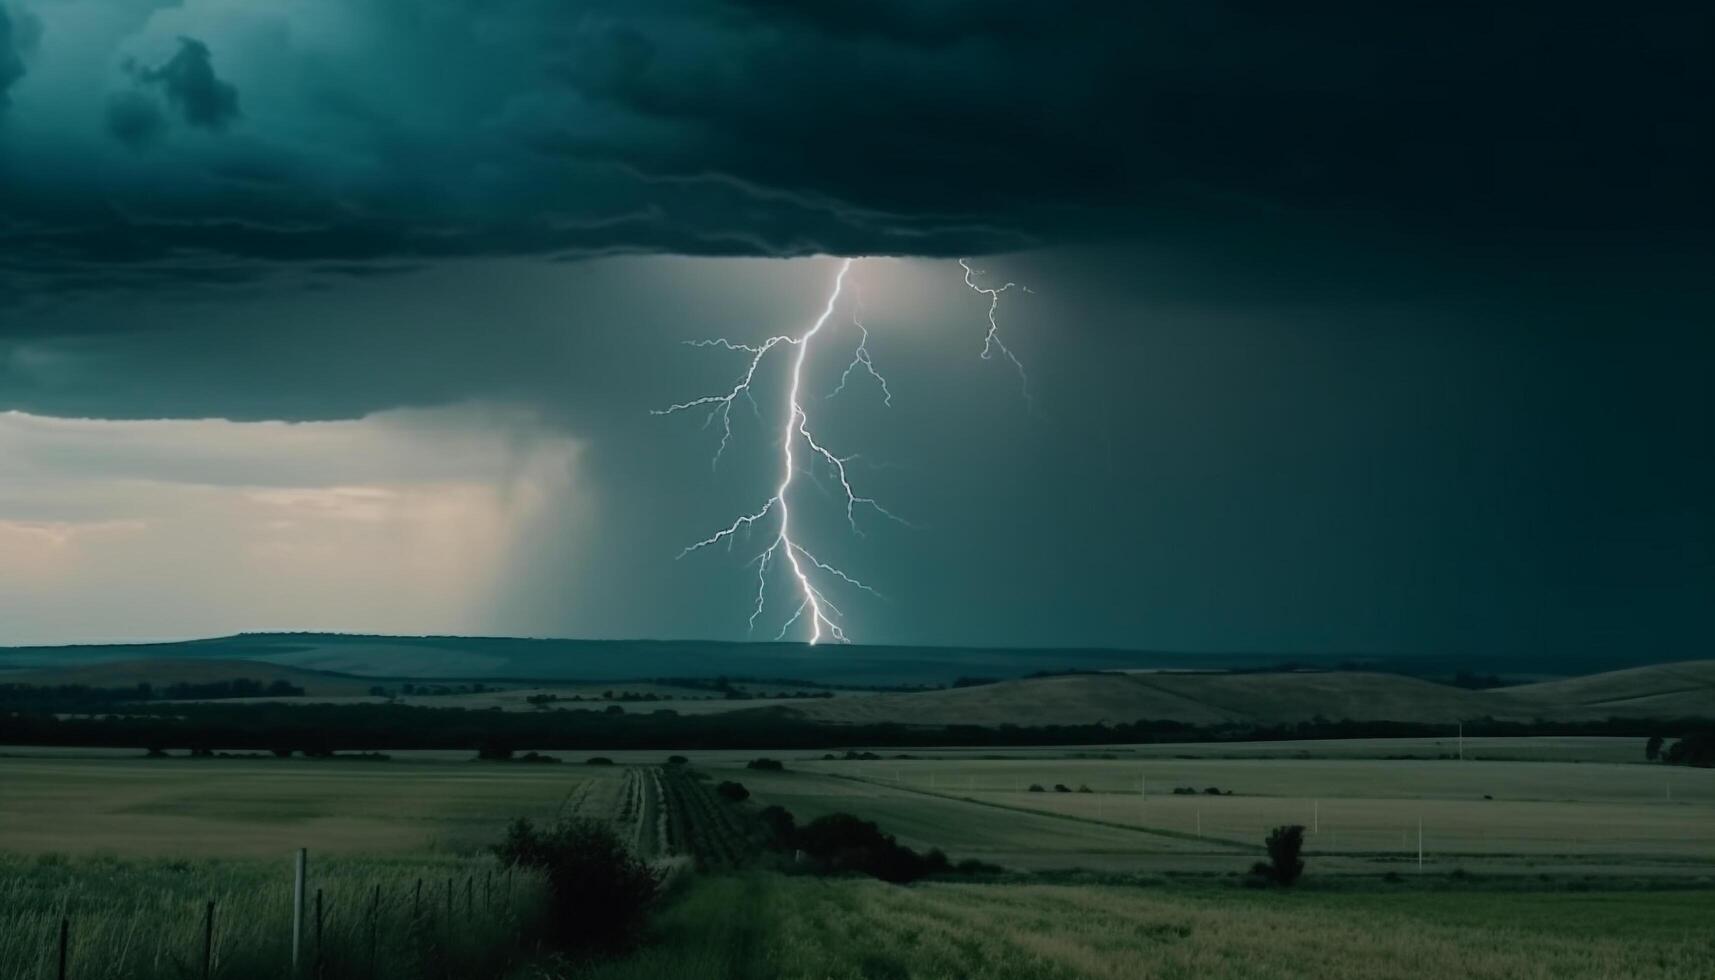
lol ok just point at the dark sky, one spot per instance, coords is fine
(1355, 327)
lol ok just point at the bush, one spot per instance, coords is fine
(1085, 788)
(677, 760)
(494, 750)
(1652, 748)
(598, 760)
(1062, 788)
(765, 764)
(1037, 788)
(599, 894)
(782, 826)
(734, 792)
(1283, 865)
(840, 842)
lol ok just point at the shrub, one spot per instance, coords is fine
(735, 792)
(677, 760)
(599, 894)
(1085, 788)
(840, 842)
(781, 825)
(537, 757)
(494, 750)
(598, 760)
(1037, 788)
(768, 765)
(1062, 788)
(1652, 748)
(1283, 865)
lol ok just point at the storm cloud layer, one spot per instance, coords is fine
(1369, 327)
(205, 141)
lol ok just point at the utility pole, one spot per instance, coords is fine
(1461, 741)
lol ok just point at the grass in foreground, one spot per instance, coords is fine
(764, 925)
(142, 920)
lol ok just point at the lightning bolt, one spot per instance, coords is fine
(809, 573)
(991, 340)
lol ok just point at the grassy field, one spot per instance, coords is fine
(147, 918)
(258, 807)
(788, 927)
(1569, 869)
(1363, 815)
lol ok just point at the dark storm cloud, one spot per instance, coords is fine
(384, 133)
(134, 119)
(192, 86)
(18, 33)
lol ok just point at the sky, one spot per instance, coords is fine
(1350, 327)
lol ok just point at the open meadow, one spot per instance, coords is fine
(1540, 858)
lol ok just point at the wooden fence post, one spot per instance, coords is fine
(298, 905)
(318, 932)
(374, 928)
(65, 940)
(208, 941)
(417, 902)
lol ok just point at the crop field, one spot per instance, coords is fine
(1363, 815)
(788, 927)
(134, 807)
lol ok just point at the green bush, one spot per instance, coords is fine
(599, 894)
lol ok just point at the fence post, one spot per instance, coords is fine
(374, 928)
(65, 940)
(208, 941)
(469, 895)
(298, 905)
(417, 903)
(318, 932)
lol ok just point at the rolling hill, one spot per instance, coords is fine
(1671, 691)
(500, 658)
(1683, 689)
(166, 671)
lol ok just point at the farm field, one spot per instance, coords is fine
(1573, 869)
(774, 926)
(1364, 816)
(134, 807)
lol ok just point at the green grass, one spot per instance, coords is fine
(792, 927)
(1554, 818)
(143, 920)
(269, 807)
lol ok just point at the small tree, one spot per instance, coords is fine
(732, 791)
(1283, 865)
(1652, 748)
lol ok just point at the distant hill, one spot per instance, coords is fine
(450, 657)
(1671, 691)
(1683, 689)
(167, 671)
(501, 658)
